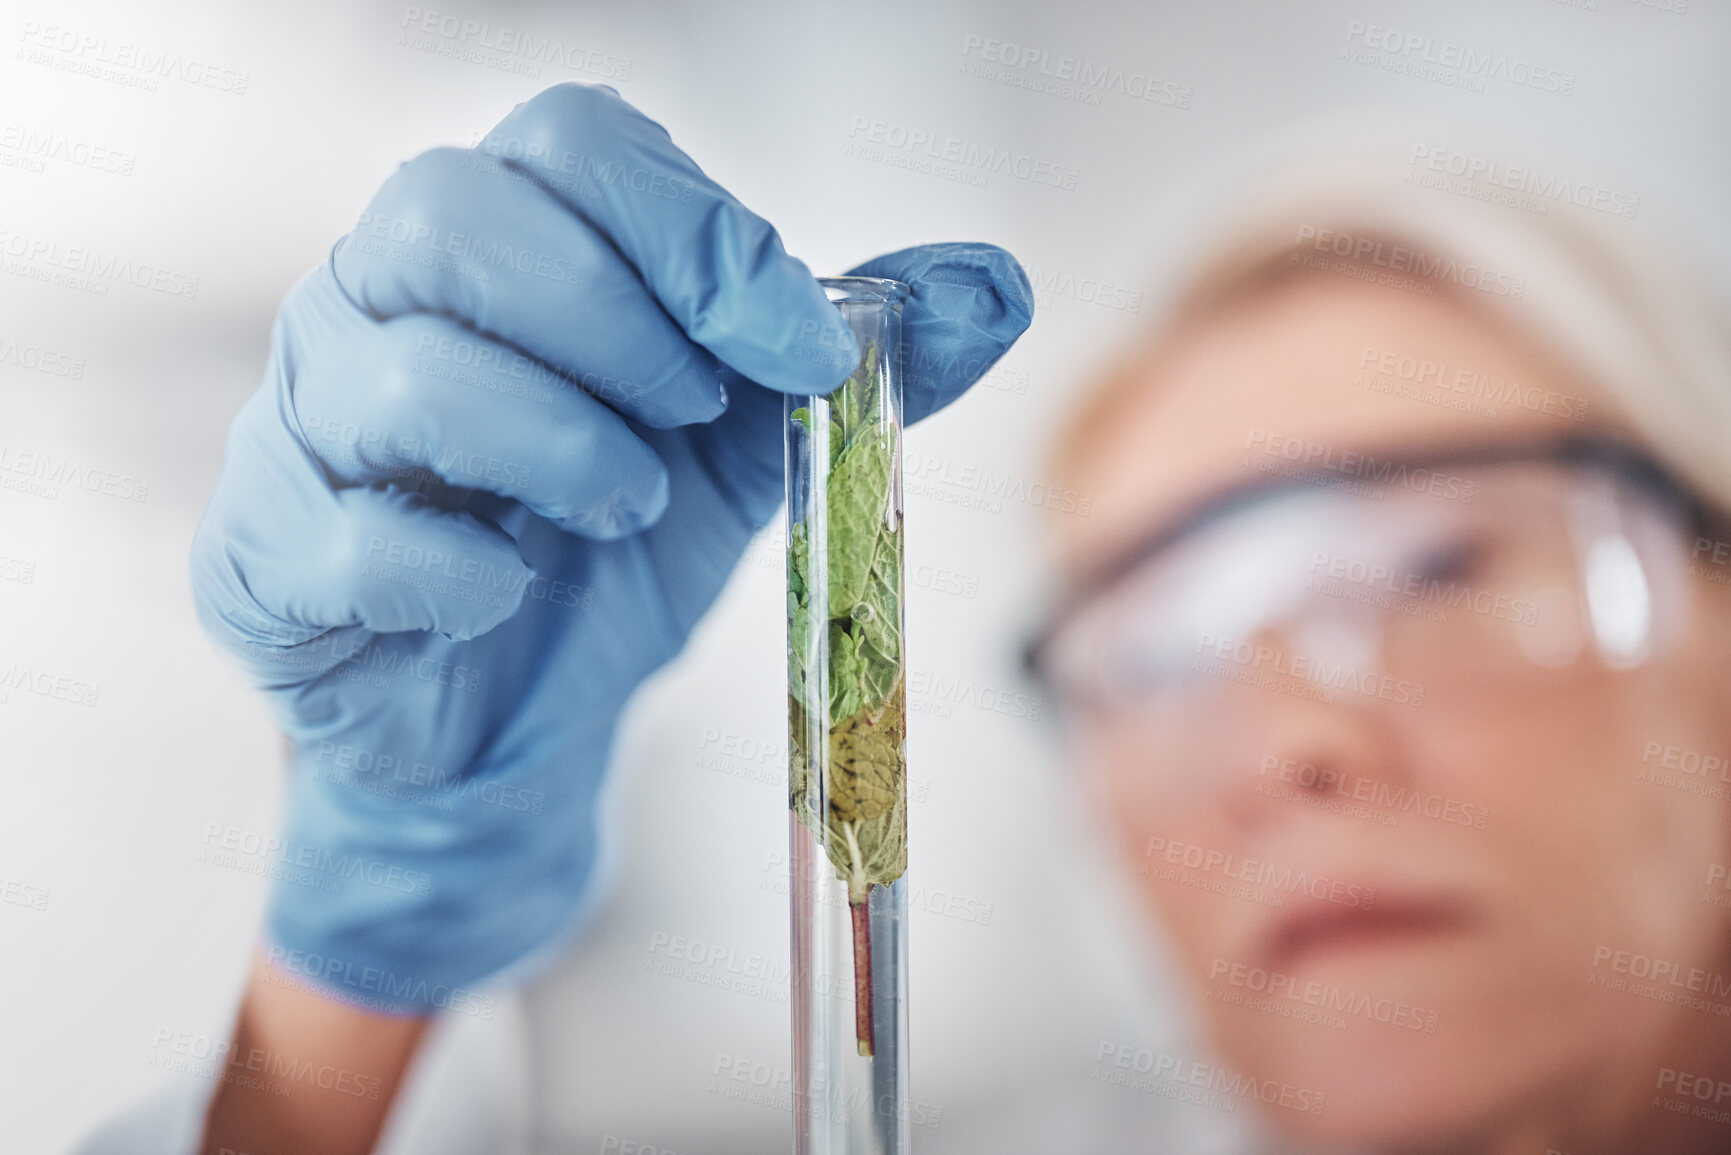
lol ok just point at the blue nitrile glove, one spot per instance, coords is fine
(512, 439)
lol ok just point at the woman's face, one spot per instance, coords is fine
(1498, 992)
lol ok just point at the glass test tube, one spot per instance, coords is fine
(847, 756)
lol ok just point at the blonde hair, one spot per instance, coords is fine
(1609, 300)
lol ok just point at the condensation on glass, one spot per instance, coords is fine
(847, 695)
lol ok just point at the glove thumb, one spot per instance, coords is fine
(969, 303)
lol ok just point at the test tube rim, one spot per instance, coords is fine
(864, 290)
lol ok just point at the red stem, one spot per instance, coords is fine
(862, 974)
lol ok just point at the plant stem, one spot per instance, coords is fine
(859, 906)
(862, 973)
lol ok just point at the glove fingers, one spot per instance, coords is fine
(422, 395)
(403, 565)
(391, 562)
(969, 303)
(274, 587)
(718, 269)
(458, 234)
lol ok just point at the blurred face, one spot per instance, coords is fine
(1484, 913)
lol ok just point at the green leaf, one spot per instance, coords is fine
(884, 844)
(877, 676)
(869, 771)
(802, 794)
(856, 402)
(799, 655)
(858, 504)
(844, 674)
(864, 767)
(799, 562)
(867, 787)
(879, 612)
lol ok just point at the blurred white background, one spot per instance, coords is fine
(1024, 959)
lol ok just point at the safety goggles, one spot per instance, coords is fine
(1449, 578)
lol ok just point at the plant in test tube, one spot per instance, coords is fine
(864, 709)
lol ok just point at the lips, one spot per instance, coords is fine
(1392, 921)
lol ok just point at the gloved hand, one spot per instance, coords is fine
(513, 437)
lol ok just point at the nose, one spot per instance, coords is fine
(1299, 737)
